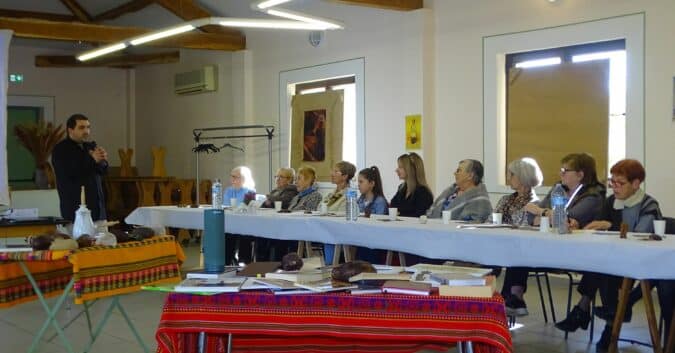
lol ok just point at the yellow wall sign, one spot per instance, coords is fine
(413, 132)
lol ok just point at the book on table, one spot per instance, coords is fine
(207, 285)
(479, 291)
(431, 268)
(276, 284)
(229, 272)
(259, 269)
(407, 287)
(371, 276)
(457, 279)
(326, 285)
(300, 276)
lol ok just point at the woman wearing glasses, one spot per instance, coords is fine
(285, 190)
(585, 193)
(628, 205)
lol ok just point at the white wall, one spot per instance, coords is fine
(166, 119)
(395, 85)
(460, 26)
(98, 93)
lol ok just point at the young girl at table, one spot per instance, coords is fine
(371, 201)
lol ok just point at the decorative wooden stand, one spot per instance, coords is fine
(158, 167)
(125, 161)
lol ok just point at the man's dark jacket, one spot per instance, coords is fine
(74, 168)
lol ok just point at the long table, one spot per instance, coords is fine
(264, 322)
(632, 257)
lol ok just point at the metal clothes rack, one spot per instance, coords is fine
(198, 136)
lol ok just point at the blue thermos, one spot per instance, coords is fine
(213, 241)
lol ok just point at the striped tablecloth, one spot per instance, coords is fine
(98, 271)
(263, 322)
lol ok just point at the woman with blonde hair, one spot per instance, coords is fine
(241, 183)
(308, 197)
(413, 197)
(285, 190)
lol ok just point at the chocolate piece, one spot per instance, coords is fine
(291, 262)
(85, 241)
(41, 242)
(347, 270)
(141, 233)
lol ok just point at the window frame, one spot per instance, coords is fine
(496, 47)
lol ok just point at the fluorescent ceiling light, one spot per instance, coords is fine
(539, 62)
(162, 34)
(291, 15)
(276, 24)
(270, 3)
(102, 51)
(597, 56)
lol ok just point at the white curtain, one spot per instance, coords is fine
(5, 37)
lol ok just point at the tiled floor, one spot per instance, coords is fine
(19, 324)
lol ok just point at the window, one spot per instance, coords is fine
(496, 48)
(574, 98)
(345, 75)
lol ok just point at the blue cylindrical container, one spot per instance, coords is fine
(213, 241)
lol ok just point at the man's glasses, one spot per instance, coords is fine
(280, 177)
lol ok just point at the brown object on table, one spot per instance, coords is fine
(350, 269)
(623, 230)
(85, 241)
(291, 262)
(40, 242)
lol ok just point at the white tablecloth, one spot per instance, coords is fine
(631, 257)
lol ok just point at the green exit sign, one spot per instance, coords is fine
(16, 78)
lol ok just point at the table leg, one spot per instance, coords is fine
(77, 316)
(229, 343)
(115, 302)
(626, 287)
(670, 342)
(651, 317)
(51, 312)
(336, 254)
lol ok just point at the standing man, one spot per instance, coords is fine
(78, 162)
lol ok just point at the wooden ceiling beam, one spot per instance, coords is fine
(76, 31)
(131, 6)
(399, 5)
(38, 15)
(188, 10)
(77, 10)
(119, 61)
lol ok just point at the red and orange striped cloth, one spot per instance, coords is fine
(263, 322)
(99, 271)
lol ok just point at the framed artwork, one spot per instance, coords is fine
(316, 131)
(413, 132)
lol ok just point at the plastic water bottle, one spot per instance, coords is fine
(217, 194)
(351, 206)
(558, 201)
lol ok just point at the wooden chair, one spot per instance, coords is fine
(390, 255)
(186, 186)
(166, 190)
(146, 193)
(205, 192)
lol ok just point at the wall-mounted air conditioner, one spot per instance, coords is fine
(197, 81)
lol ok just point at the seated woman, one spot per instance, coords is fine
(586, 194)
(467, 199)
(628, 205)
(308, 197)
(413, 197)
(239, 247)
(371, 201)
(241, 183)
(341, 175)
(285, 190)
(523, 176)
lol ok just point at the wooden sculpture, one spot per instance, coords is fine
(125, 161)
(158, 168)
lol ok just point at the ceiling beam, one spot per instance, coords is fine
(38, 15)
(188, 10)
(131, 6)
(77, 10)
(75, 31)
(400, 5)
(119, 61)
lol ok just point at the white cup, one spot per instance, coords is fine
(233, 202)
(423, 219)
(496, 218)
(323, 208)
(277, 206)
(446, 217)
(393, 213)
(660, 227)
(544, 225)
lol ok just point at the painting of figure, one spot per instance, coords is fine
(314, 149)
